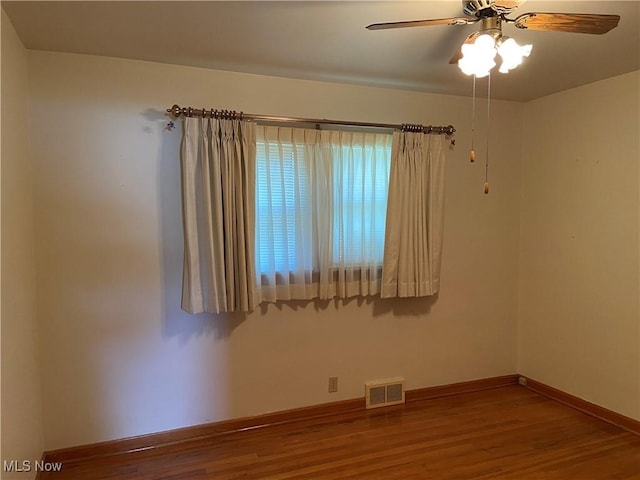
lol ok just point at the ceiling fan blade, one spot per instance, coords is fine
(568, 22)
(458, 55)
(422, 23)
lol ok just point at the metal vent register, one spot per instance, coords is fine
(381, 393)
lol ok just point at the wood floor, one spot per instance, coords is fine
(506, 433)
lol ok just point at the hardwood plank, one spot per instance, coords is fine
(509, 433)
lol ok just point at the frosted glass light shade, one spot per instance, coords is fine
(512, 54)
(478, 57)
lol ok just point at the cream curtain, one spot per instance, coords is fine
(415, 216)
(321, 204)
(218, 197)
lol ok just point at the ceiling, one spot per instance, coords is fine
(327, 41)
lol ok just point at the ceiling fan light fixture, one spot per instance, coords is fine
(511, 53)
(478, 58)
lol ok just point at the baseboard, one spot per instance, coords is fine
(154, 441)
(208, 430)
(459, 388)
(589, 408)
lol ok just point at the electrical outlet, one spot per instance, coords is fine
(333, 384)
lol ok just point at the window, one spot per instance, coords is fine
(329, 215)
(321, 199)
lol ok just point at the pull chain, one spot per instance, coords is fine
(486, 164)
(472, 153)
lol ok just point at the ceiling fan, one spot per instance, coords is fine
(476, 55)
(491, 14)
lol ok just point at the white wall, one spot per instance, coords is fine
(579, 318)
(21, 393)
(119, 357)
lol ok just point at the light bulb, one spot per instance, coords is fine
(478, 57)
(512, 53)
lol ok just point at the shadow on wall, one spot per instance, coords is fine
(405, 307)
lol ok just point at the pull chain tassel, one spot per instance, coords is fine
(486, 161)
(472, 153)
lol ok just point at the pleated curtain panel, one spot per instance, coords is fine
(415, 216)
(274, 214)
(218, 209)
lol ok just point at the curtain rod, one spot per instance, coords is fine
(177, 111)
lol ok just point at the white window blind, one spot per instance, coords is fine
(283, 208)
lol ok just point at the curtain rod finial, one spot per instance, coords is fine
(175, 110)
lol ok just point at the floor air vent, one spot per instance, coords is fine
(382, 393)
